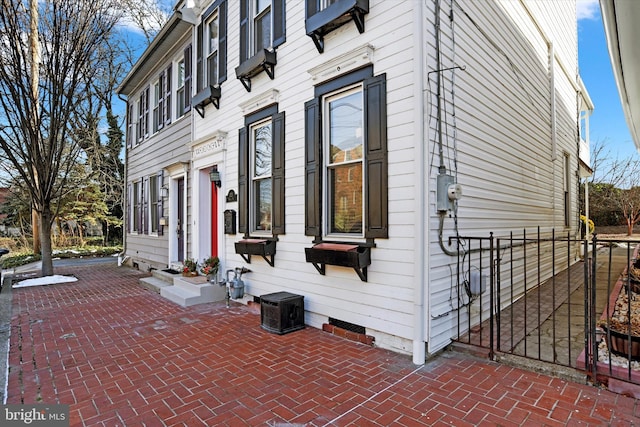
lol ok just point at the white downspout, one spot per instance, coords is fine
(421, 240)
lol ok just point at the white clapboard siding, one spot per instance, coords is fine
(504, 154)
(497, 142)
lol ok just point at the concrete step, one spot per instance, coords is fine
(164, 275)
(154, 283)
(192, 291)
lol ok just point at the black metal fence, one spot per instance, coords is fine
(552, 298)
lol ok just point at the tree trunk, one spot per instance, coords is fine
(629, 227)
(45, 240)
(34, 45)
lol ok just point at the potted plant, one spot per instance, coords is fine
(189, 267)
(622, 327)
(209, 267)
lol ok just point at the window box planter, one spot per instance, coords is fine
(340, 254)
(265, 60)
(266, 248)
(208, 95)
(336, 15)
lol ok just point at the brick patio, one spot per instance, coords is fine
(120, 354)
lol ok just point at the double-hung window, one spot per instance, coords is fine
(157, 106)
(183, 83)
(262, 26)
(346, 194)
(180, 89)
(260, 170)
(261, 174)
(212, 31)
(142, 128)
(344, 158)
(211, 47)
(136, 213)
(154, 194)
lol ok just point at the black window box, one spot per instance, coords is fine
(265, 60)
(208, 95)
(266, 248)
(340, 254)
(336, 15)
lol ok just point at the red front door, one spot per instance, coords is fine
(214, 219)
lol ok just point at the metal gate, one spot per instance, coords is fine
(550, 298)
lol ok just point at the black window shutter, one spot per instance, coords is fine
(312, 170)
(243, 181)
(376, 192)
(188, 65)
(145, 206)
(279, 22)
(311, 8)
(130, 213)
(167, 99)
(130, 127)
(159, 185)
(159, 115)
(146, 112)
(199, 59)
(277, 175)
(244, 30)
(140, 124)
(222, 42)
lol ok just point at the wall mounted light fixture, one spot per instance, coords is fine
(214, 175)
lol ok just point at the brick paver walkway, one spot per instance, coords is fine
(122, 355)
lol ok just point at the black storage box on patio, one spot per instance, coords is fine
(282, 312)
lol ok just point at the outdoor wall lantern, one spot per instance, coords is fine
(214, 175)
(164, 192)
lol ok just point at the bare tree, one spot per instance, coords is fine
(38, 133)
(147, 15)
(615, 185)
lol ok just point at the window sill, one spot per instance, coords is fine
(265, 60)
(353, 255)
(335, 16)
(266, 248)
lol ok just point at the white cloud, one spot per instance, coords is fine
(587, 9)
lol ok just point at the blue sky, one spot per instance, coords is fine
(607, 123)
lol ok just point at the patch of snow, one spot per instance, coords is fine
(42, 281)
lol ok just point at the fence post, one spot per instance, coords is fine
(491, 302)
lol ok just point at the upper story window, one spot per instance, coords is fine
(162, 100)
(157, 105)
(212, 31)
(346, 194)
(261, 25)
(130, 124)
(211, 47)
(324, 16)
(262, 30)
(180, 89)
(261, 174)
(142, 128)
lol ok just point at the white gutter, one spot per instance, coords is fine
(622, 35)
(421, 242)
